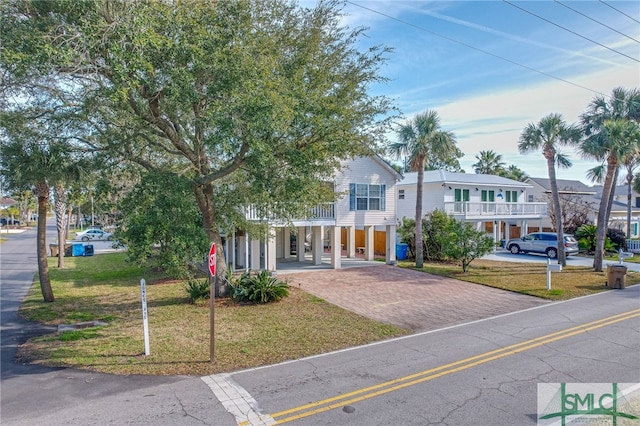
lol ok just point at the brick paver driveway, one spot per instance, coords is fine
(410, 299)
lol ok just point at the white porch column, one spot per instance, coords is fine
(286, 240)
(231, 250)
(390, 256)
(300, 238)
(478, 226)
(495, 233)
(246, 252)
(368, 242)
(255, 254)
(317, 245)
(270, 250)
(336, 247)
(351, 241)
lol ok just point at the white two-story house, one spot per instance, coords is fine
(366, 194)
(494, 204)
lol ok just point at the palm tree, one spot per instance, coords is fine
(26, 165)
(615, 143)
(630, 163)
(33, 157)
(489, 163)
(609, 138)
(548, 135)
(514, 172)
(420, 138)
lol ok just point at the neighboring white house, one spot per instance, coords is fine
(494, 204)
(365, 189)
(618, 216)
(574, 191)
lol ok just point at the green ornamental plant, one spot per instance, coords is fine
(198, 290)
(259, 287)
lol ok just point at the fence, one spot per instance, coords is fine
(633, 246)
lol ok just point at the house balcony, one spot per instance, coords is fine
(495, 211)
(322, 214)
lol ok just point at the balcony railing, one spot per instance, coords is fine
(495, 209)
(319, 212)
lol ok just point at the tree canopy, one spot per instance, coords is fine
(254, 102)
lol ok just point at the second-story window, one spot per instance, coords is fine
(363, 196)
(511, 196)
(401, 194)
(487, 196)
(530, 198)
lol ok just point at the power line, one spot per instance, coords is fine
(476, 48)
(572, 32)
(618, 10)
(597, 22)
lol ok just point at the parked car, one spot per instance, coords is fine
(94, 234)
(4, 221)
(542, 242)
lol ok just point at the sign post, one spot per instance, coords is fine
(212, 296)
(145, 321)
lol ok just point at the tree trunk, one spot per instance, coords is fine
(629, 182)
(562, 258)
(67, 224)
(419, 246)
(42, 192)
(204, 199)
(603, 218)
(60, 208)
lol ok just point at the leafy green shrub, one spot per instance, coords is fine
(465, 244)
(586, 236)
(617, 238)
(434, 234)
(198, 290)
(258, 287)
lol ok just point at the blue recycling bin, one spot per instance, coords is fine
(401, 251)
(77, 250)
(88, 250)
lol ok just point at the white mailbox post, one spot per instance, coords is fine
(552, 267)
(622, 255)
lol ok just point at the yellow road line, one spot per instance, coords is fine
(413, 379)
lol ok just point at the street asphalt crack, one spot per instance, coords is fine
(458, 406)
(185, 412)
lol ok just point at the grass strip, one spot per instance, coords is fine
(105, 288)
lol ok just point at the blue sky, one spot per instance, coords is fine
(474, 62)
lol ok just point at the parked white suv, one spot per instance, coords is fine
(542, 242)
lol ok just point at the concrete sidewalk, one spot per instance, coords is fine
(410, 299)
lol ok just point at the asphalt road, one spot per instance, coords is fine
(481, 373)
(32, 395)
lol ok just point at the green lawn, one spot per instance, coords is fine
(528, 278)
(106, 288)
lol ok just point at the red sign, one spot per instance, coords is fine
(212, 259)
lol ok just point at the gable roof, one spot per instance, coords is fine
(446, 177)
(388, 166)
(564, 185)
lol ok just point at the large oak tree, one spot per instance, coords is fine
(254, 102)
